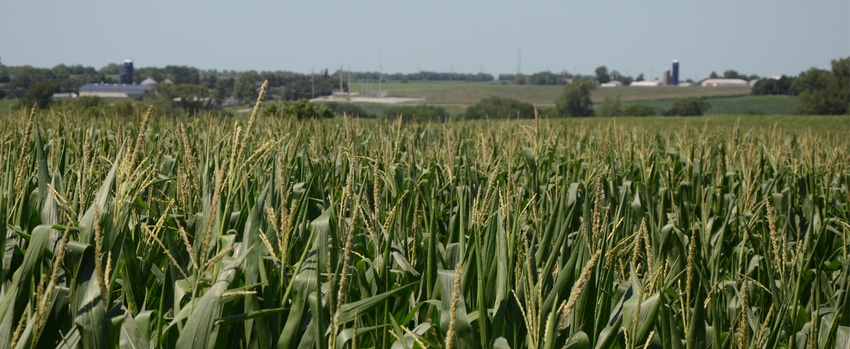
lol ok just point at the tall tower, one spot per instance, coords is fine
(518, 61)
(126, 77)
(674, 80)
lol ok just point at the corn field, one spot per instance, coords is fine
(146, 231)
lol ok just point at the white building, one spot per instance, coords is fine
(725, 83)
(653, 83)
(612, 83)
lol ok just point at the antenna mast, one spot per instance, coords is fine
(519, 61)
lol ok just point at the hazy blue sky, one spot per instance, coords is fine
(764, 37)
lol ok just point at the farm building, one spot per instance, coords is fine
(725, 83)
(113, 90)
(149, 82)
(653, 83)
(612, 83)
(126, 88)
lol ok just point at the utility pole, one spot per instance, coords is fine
(341, 90)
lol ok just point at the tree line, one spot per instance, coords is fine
(819, 91)
(419, 76)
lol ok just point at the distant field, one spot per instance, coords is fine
(455, 97)
(467, 93)
(825, 126)
(768, 105)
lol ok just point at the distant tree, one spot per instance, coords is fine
(615, 75)
(25, 77)
(140, 74)
(781, 86)
(713, 75)
(500, 108)
(40, 95)
(180, 74)
(625, 79)
(732, 74)
(688, 106)
(545, 78)
(209, 80)
(112, 69)
(602, 75)
(193, 99)
(824, 92)
(62, 77)
(638, 110)
(841, 69)
(303, 109)
(4, 78)
(611, 106)
(519, 79)
(575, 99)
(245, 87)
(639, 77)
(223, 88)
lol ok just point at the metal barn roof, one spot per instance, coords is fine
(113, 90)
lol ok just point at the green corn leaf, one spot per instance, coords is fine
(91, 320)
(199, 325)
(463, 331)
(18, 291)
(134, 331)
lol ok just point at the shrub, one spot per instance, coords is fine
(638, 110)
(303, 109)
(688, 106)
(611, 107)
(500, 108)
(419, 113)
(349, 109)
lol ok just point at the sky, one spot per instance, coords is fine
(766, 38)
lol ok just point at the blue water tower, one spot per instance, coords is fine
(675, 78)
(126, 77)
